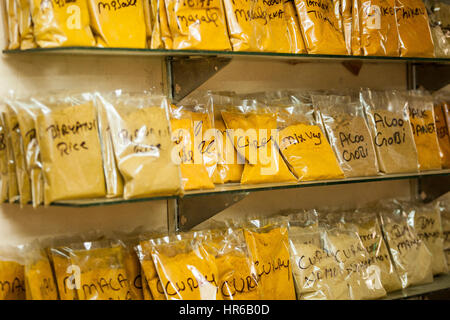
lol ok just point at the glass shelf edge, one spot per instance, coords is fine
(232, 54)
(441, 282)
(237, 188)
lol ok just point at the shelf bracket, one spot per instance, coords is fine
(432, 187)
(353, 66)
(194, 210)
(188, 73)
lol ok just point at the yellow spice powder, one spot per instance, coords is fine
(12, 281)
(443, 136)
(25, 25)
(64, 276)
(40, 282)
(13, 24)
(3, 162)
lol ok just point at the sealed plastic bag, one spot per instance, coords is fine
(61, 23)
(366, 224)
(391, 130)
(68, 137)
(161, 36)
(148, 22)
(444, 207)
(4, 192)
(439, 28)
(347, 248)
(426, 222)
(442, 133)
(65, 273)
(23, 177)
(322, 32)
(25, 25)
(12, 16)
(144, 252)
(268, 244)
(413, 29)
(12, 275)
(142, 143)
(355, 29)
(303, 143)
(186, 269)
(378, 28)
(349, 135)
(317, 275)
(295, 33)
(412, 259)
(196, 149)
(421, 116)
(198, 25)
(118, 24)
(253, 130)
(346, 8)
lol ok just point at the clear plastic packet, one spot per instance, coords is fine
(442, 132)
(65, 273)
(19, 150)
(257, 26)
(421, 117)
(161, 36)
(438, 29)
(322, 32)
(389, 123)
(412, 259)
(196, 147)
(133, 269)
(294, 32)
(99, 268)
(444, 208)
(413, 29)
(61, 23)
(378, 28)
(346, 127)
(118, 24)
(141, 137)
(148, 22)
(68, 137)
(25, 25)
(113, 178)
(229, 163)
(425, 219)
(346, 13)
(356, 29)
(13, 186)
(40, 282)
(302, 225)
(302, 142)
(317, 275)
(198, 25)
(12, 274)
(365, 222)
(186, 269)
(253, 129)
(268, 244)
(12, 23)
(4, 192)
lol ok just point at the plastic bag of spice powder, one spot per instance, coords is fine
(389, 123)
(442, 125)
(142, 142)
(412, 259)
(421, 116)
(3, 162)
(444, 208)
(68, 137)
(13, 188)
(25, 25)
(425, 219)
(348, 133)
(12, 274)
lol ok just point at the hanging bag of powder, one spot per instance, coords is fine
(365, 223)
(142, 143)
(13, 185)
(348, 133)
(378, 28)
(12, 274)
(388, 121)
(425, 219)
(229, 164)
(4, 193)
(25, 25)
(191, 123)
(61, 23)
(186, 269)
(412, 259)
(198, 25)
(268, 244)
(68, 137)
(444, 208)
(421, 115)
(253, 129)
(442, 131)
(302, 142)
(294, 32)
(12, 23)
(346, 8)
(348, 250)
(413, 29)
(322, 32)
(161, 36)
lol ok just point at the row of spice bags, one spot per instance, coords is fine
(357, 27)
(135, 145)
(353, 254)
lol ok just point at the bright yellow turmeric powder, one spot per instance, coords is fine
(252, 138)
(198, 25)
(119, 24)
(161, 36)
(269, 249)
(39, 279)
(322, 31)
(64, 278)
(12, 283)
(294, 32)
(443, 135)
(61, 23)
(355, 28)
(133, 269)
(13, 190)
(144, 250)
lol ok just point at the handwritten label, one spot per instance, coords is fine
(112, 286)
(398, 137)
(115, 5)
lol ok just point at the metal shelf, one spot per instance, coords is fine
(441, 282)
